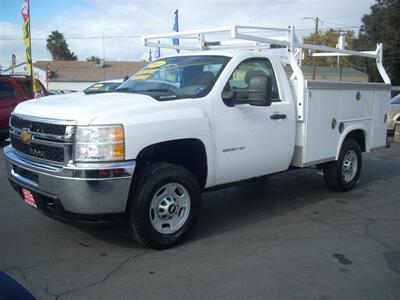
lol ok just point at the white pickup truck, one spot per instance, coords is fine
(187, 123)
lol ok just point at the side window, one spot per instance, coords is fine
(26, 86)
(240, 79)
(7, 91)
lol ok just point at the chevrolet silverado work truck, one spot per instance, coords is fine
(190, 122)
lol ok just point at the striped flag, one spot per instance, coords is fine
(26, 34)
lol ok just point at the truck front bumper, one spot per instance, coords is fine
(85, 192)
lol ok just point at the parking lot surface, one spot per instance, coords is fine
(287, 237)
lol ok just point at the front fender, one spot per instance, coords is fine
(152, 128)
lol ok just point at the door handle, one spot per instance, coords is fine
(278, 116)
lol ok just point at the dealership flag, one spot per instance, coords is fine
(26, 34)
(175, 41)
(158, 51)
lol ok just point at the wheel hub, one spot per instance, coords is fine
(350, 166)
(169, 208)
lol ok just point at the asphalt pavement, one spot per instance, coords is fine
(287, 237)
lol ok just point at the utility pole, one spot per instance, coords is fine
(338, 46)
(314, 64)
(104, 58)
(315, 43)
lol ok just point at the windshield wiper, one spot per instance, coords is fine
(160, 90)
(122, 90)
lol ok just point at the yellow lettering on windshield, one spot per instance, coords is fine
(156, 64)
(151, 71)
(140, 77)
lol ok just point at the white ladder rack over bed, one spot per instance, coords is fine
(258, 42)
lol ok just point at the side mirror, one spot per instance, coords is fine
(227, 95)
(260, 91)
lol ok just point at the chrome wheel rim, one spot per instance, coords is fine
(350, 166)
(169, 208)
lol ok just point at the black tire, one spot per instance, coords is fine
(333, 171)
(139, 216)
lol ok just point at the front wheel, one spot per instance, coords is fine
(164, 205)
(343, 174)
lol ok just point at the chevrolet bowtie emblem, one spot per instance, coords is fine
(25, 136)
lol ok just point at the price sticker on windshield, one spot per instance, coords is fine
(150, 71)
(156, 64)
(140, 77)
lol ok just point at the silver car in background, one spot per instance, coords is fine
(394, 113)
(103, 86)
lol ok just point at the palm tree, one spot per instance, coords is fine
(93, 58)
(58, 47)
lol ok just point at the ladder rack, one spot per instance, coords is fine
(239, 37)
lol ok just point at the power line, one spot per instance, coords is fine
(139, 36)
(78, 38)
(353, 65)
(343, 25)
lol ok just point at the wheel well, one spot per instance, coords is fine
(358, 136)
(188, 153)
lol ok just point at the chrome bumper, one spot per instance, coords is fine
(87, 189)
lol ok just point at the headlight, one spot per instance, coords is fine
(392, 113)
(99, 143)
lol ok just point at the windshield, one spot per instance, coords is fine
(102, 87)
(176, 77)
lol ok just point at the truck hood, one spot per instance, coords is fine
(83, 108)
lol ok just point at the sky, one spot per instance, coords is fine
(84, 23)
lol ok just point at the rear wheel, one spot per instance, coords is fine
(343, 174)
(164, 205)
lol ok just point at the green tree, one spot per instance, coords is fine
(382, 25)
(93, 58)
(58, 47)
(328, 38)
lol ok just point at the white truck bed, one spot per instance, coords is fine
(345, 103)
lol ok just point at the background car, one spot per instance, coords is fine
(103, 86)
(13, 90)
(394, 113)
(60, 92)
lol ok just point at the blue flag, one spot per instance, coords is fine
(158, 52)
(175, 41)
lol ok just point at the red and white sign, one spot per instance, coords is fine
(28, 197)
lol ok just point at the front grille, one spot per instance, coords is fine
(37, 127)
(42, 139)
(46, 152)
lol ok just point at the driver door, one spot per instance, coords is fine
(252, 140)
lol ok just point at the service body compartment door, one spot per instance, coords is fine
(334, 109)
(321, 125)
(381, 108)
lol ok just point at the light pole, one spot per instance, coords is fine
(315, 42)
